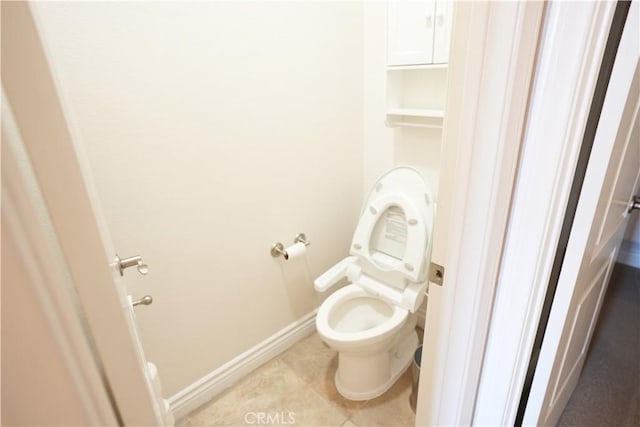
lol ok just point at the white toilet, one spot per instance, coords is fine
(371, 321)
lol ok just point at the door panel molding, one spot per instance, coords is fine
(600, 279)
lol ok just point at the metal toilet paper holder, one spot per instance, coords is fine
(278, 249)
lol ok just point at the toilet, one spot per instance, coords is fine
(371, 321)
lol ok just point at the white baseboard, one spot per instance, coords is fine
(629, 253)
(217, 381)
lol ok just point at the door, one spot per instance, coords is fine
(31, 93)
(611, 181)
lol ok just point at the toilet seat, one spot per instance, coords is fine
(397, 217)
(416, 236)
(366, 336)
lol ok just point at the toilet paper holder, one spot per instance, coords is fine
(278, 249)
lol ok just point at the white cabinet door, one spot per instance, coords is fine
(442, 31)
(410, 31)
(610, 183)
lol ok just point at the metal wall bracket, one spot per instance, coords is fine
(436, 273)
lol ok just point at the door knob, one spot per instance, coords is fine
(124, 263)
(145, 300)
(634, 204)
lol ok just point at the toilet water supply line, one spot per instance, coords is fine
(299, 246)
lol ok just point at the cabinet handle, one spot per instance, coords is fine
(429, 21)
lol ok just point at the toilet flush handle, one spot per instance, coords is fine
(334, 274)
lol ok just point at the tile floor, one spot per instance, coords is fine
(297, 389)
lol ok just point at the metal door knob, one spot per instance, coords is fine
(145, 300)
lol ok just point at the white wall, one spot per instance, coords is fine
(213, 130)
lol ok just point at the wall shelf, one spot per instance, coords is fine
(417, 112)
(416, 121)
(416, 67)
(416, 96)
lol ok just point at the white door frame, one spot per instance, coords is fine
(493, 54)
(491, 300)
(31, 92)
(573, 44)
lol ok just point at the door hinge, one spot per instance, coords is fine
(436, 273)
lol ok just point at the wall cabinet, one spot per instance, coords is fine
(418, 34)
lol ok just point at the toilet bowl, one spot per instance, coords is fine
(365, 331)
(371, 321)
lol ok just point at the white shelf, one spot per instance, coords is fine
(416, 112)
(397, 119)
(417, 67)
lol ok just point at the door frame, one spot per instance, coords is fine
(481, 324)
(493, 55)
(571, 52)
(30, 90)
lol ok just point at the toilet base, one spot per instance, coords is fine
(375, 373)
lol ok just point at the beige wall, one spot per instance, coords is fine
(378, 148)
(213, 130)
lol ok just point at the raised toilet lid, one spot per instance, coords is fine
(394, 229)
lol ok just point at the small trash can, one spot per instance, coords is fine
(415, 377)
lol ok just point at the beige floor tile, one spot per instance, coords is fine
(271, 395)
(392, 409)
(313, 361)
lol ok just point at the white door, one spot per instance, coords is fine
(86, 246)
(610, 183)
(410, 32)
